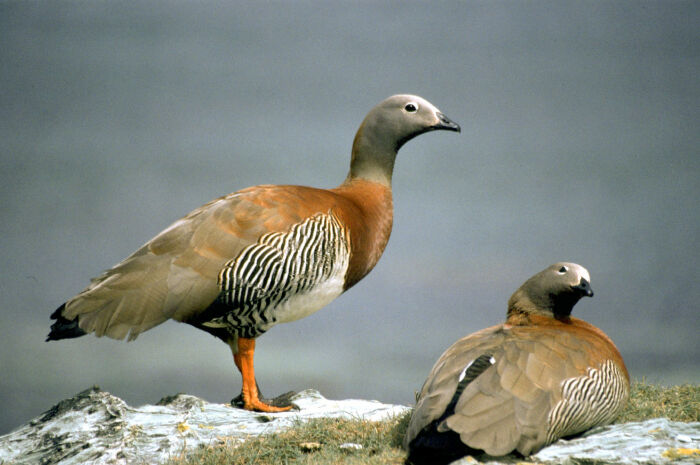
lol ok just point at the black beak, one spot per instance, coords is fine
(446, 123)
(584, 287)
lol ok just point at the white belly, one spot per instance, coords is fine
(302, 305)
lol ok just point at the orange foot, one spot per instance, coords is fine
(259, 406)
(283, 400)
(249, 391)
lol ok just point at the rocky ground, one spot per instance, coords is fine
(97, 427)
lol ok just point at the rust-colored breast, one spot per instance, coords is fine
(368, 215)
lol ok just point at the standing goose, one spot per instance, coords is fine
(521, 385)
(264, 255)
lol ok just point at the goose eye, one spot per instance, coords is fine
(411, 107)
(563, 270)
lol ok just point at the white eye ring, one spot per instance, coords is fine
(411, 107)
(563, 270)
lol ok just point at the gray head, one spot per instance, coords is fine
(553, 291)
(388, 126)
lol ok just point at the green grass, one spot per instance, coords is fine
(319, 441)
(677, 403)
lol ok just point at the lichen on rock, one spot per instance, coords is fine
(96, 427)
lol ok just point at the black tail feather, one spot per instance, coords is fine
(435, 448)
(63, 328)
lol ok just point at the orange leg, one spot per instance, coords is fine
(244, 361)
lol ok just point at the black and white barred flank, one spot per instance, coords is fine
(280, 266)
(595, 398)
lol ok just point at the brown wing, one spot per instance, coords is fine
(174, 275)
(441, 384)
(507, 406)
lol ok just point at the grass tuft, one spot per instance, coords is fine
(677, 403)
(318, 441)
(325, 441)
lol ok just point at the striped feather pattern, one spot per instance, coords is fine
(283, 277)
(593, 399)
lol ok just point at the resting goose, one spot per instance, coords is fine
(521, 385)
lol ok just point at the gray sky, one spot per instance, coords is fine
(579, 142)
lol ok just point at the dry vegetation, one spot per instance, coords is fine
(677, 403)
(333, 441)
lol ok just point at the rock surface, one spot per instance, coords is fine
(656, 441)
(652, 441)
(98, 428)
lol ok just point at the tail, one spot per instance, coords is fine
(63, 328)
(435, 448)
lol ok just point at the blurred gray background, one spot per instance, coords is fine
(579, 142)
